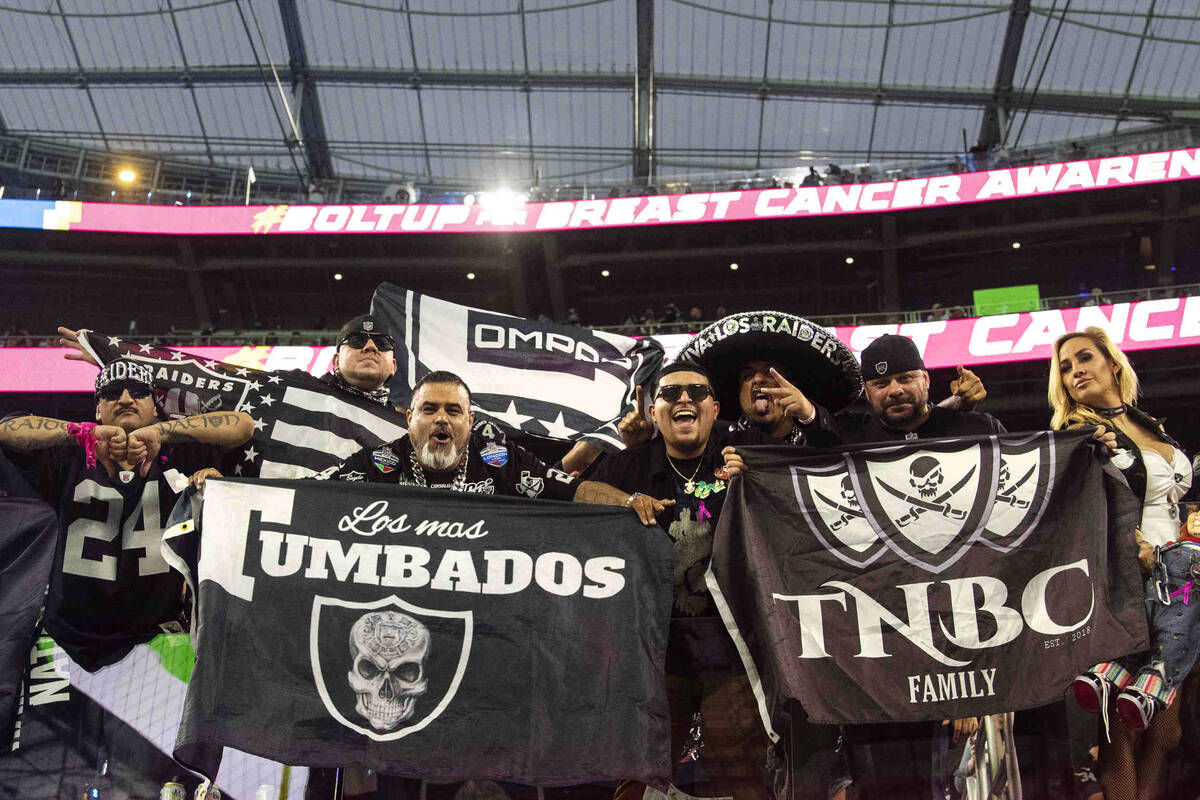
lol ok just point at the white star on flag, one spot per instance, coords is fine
(251, 454)
(510, 417)
(143, 348)
(273, 379)
(557, 429)
(242, 372)
(254, 385)
(245, 407)
(266, 399)
(259, 425)
(177, 355)
(114, 341)
(210, 365)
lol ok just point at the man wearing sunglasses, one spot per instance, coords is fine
(113, 485)
(365, 360)
(704, 672)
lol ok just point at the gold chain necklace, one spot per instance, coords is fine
(689, 486)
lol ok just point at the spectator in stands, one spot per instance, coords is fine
(1097, 298)
(1027, 158)
(1093, 383)
(649, 322)
(865, 175)
(977, 157)
(1077, 151)
(695, 315)
(720, 313)
(813, 178)
(573, 317)
(833, 174)
(957, 165)
(671, 314)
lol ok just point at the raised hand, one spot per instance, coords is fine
(144, 444)
(790, 400)
(111, 443)
(968, 386)
(636, 426)
(70, 338)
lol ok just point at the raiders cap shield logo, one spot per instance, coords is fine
(881, 367)
(402, 669)
(368, 325)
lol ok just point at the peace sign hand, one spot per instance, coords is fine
(636, 426)
(790, 399)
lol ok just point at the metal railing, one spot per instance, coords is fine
(318, 338)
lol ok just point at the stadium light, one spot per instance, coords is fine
(503, 206)
(1, 192)
(126, 176)
(849, 259)
(604, 273)
(733, 266)
(470, 276)
(1016, 245)
(337, 276)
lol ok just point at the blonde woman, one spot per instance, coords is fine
(1092, 383)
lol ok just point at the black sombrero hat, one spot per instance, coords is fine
(812, 358)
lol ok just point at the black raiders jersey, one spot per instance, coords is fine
(110, 588)
(494, 466)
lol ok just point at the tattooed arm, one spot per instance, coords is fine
(225, 429)
(29, 433)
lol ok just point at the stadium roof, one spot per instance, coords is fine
(576, 91)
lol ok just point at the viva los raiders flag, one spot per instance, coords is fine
(302, 425)
(928, 580)
(541, 378)
(430, 634)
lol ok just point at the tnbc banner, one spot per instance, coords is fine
(429, 634)
(935, 579)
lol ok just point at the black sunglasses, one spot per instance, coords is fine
(113, 391)
(358, 341)
(696, 391)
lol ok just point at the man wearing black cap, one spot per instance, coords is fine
(113, 485)
(365, 360)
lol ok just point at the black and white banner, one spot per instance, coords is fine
(302, 425)
(930, 580)
(429, 634)
(542, 378)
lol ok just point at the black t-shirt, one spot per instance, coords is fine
(494, 466)
(865, 427)
(110, 588)
(648, 469)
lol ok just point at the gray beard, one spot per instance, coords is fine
(439, 461)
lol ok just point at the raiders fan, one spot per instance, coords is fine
(113, 485)
(442, 451)
(703, 671)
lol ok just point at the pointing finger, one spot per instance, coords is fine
(961, 370)
(782, 380)
(639, 398)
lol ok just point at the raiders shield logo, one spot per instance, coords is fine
(929, 505)
(1021, 495)
(387, 668)
(881, 367)
(829, 500)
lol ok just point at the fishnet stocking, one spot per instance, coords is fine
(1131, 766)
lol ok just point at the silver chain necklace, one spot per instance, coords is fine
(460, 479)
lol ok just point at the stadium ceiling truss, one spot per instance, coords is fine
(545, 92)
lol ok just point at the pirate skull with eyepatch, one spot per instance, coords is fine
(388, 650)
(925, 475)
(849, 496)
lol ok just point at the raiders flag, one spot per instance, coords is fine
(930, 580)
(429, 634)
(302, 425)
(541, 378)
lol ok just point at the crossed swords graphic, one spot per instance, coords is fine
(918, 506)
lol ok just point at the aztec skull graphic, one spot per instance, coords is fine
(388, 650)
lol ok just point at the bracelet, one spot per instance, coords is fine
(811, 418)
(85, 438)
(629, 500)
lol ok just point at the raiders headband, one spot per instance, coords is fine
(124, 371)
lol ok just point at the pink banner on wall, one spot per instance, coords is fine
(1028, 336)
(503, 212)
